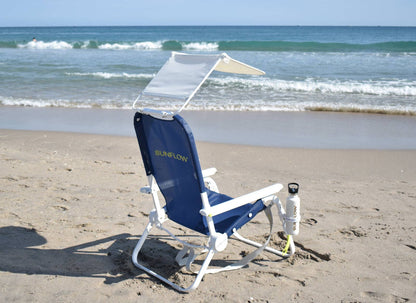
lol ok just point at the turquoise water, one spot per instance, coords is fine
(307, 68)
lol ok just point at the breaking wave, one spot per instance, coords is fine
(46, 45)
(408, 47)
(213, 106)
(104, 75)
(309, 85)
(368, 87)
(136, 46)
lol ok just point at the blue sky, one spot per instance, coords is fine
(207, 12)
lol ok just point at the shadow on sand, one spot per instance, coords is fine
(20, 253)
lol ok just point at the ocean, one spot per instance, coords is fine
(351, 69)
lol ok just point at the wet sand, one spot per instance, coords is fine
(322, 130)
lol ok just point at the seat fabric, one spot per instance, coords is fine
(169, 154)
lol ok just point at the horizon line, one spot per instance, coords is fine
(201, 25)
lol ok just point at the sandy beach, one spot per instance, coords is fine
(71, 213)
(330, 103)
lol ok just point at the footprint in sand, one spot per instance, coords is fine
(383, 297)
(353, 231)
(60, 207)
(309, 221)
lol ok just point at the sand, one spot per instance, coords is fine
(71, 212)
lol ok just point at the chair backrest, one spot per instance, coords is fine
(169, 154)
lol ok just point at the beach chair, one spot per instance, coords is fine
(192, 200)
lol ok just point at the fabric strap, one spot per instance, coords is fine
(187, 255)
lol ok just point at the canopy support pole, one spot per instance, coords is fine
(137, 99)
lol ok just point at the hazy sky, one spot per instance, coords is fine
(207, 12)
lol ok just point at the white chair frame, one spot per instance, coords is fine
(217, 242)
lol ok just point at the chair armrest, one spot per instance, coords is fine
(209, 172)
(146, 190)
(210, 183)
(153, 188)
(240, 201)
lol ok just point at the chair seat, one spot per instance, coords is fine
(235, 218)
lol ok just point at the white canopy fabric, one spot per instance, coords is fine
(183, 74)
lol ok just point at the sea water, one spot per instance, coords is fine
(356, 69)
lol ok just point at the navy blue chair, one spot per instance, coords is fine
(191, 197)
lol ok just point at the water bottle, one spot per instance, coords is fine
(292, 218)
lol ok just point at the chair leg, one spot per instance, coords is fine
(201, 272)
(198, 278)
(140, 244)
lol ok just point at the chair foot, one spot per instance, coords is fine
(198, 278)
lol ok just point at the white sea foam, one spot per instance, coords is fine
(85, 103)
(217, 105)
(202, 46)
(41, 103)
(147, 45)
(111, 75)
(138, 46)
(86, 44)
(46, 45)
(326, 86)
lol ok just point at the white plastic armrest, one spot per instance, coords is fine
(211, 184)
(209, 172)
(240, 201)
(146, 190)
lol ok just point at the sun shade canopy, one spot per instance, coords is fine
(183, 74)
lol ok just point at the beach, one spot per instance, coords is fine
(71, 213)
(334, 112)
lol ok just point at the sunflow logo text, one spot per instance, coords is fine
(179, 157)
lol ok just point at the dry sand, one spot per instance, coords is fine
(71, 212)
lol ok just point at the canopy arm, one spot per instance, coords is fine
(135, 101)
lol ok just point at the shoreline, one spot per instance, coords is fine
(361, 111)
(317, 130)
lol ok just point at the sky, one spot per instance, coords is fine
(207, 12)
